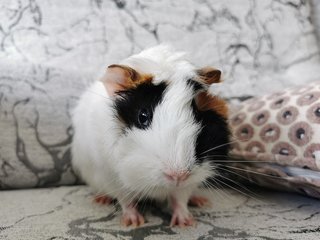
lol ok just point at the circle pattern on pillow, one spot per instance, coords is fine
(282, 127)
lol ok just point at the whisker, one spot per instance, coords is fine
(144, 200)
(235, 173)
(216, 190)
(242, 161)
(142, 194)
(231, 160)
(241, 192)
(228, 143)
(251, 171)
(219, 191)
(257, 197)
(238, 184)
(211, 156)
(211, 188)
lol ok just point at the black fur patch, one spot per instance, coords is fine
(213, 140)
(195, 85)
(130, 103)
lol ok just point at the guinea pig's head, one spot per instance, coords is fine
(172, 130)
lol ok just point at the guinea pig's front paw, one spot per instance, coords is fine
(131, 217)
(181, 218)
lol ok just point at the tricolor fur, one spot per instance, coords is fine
(149, 117)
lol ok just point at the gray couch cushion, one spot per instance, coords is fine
(51, 50)
(68, 213)
(35, 125)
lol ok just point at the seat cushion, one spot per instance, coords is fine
(69, 213)
(52, 50)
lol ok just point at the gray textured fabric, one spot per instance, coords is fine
(35, 125)
(315, 7)
(68, 213)
(255, 41)
(51, 50)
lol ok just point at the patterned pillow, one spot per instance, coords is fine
(279, 134)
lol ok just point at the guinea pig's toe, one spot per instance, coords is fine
(131, 217)
(103, 199)
(182, 219)
(199, 201)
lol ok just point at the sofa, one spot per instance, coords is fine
(50, 51)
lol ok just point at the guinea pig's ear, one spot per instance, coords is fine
(209, 75)
(119, 78)
(204, 100)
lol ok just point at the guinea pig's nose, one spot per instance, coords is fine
(177, 175)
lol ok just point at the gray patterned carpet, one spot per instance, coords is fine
(68, 213)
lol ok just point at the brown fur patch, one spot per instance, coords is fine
(206, 102)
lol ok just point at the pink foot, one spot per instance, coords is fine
(199, 201)
(181, 216)
(182, 219)
(131, 217)
(103, 199)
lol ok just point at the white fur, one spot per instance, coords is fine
(117, 164)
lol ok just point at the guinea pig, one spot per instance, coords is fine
(151, 129)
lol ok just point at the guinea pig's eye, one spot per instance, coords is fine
(144, 118)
